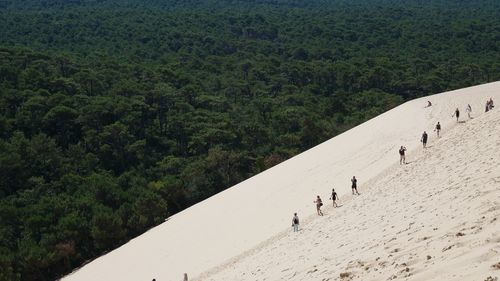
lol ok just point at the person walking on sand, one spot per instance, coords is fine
(185, 277)
(490, 104)
(319, 203)
(429, 104)
(402, 159)
(456, 114)
(424, 139)
(295, 222)
(354, 186)
(468, 109)
(438, 129)
(334, 198)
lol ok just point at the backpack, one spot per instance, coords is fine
(295, 220)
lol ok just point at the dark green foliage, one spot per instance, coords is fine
(116, 114)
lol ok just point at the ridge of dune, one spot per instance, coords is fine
(236, 220)
(437, 218)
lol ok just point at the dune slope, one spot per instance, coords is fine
(249, 214)
(436, 218)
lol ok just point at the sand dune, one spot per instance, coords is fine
(442, 205)
(436, 218)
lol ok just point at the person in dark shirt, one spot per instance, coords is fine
(456, 114)
(334, 198)
(295, 222)
(438, 129)
(424, 139)
(354, 186)
(402, 159)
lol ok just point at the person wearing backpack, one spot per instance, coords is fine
(295, 222)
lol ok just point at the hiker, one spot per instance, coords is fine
(487, 106)
(429, 104)
(354, 186)
(468, 109)
(295, 222)
(456, 114)
(402, 159)
(185, 277)
(490, 104)
(334, 197)
(424, 139)
(319, 203)
(438, 129)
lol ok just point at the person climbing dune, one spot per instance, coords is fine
(438, 129)
(319, 203)
(295, 222)
(402, 158)
(456, 114)
(334, 198)
(468, 109)
(489, 104)
(423, 139)
(354, 185)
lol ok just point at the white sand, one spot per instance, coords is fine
(244, 233)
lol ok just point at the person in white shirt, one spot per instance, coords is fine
(468, 110)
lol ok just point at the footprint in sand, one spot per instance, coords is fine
(447, 248)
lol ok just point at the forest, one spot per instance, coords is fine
(117, 114)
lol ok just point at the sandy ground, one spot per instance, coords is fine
(402, 215)
(436, 218)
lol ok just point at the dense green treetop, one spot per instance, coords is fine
(117, 114)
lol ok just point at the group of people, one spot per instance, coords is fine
(489, 105)
(423, 140)
(437, 129)
(319, 203)
(402, 160)
(468, 109)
